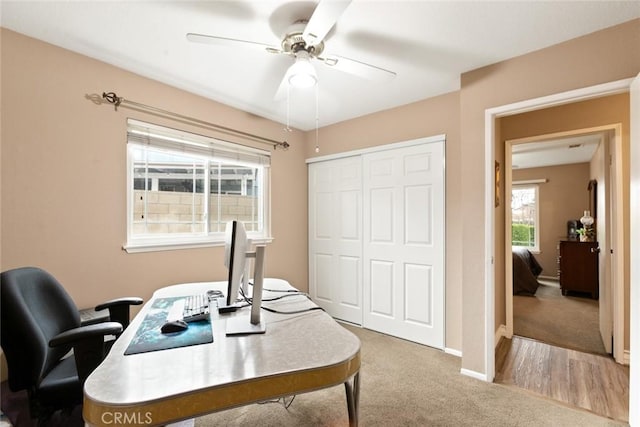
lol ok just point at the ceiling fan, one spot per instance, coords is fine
(304, 41)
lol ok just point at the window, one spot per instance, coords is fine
(183, 188)
(525, 229)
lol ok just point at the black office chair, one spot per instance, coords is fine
(40, 324)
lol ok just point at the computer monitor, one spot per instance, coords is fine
(237, 247)
(235, 257)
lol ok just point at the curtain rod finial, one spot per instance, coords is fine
(112, 98)
(284, 144)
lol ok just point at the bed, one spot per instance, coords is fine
(526, 270)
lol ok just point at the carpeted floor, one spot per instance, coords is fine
(566, 321)
(406, 384)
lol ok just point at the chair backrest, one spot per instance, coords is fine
(34, 308)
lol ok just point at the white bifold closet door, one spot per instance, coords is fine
(376, 239)
(403, 247)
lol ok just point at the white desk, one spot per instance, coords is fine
(297, 354)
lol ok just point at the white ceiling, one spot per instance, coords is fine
(553, 152)
(427, 43)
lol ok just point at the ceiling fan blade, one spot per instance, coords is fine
(357, 68)
(323, 19)
(224, 41)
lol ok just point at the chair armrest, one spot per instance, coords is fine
(88, 345)
(72, 336)
(119, 309)
(119, 301)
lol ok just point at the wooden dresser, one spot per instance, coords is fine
(578, 267)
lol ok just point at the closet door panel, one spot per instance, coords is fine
(335, 237)
(322, 278)
(350, 273)
(419, 288)
(381, 215)
(418, 215)
(381, 296)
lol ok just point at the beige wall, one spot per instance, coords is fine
(608, 55)
(64, 176)
(563, 197)
(54, 139)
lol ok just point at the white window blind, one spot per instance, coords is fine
(175, 140)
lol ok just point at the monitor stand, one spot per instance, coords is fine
(252, 323)
(241, 325)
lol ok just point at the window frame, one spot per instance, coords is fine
(172, 241)
(536, 189)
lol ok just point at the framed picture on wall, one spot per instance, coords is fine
(497, 190)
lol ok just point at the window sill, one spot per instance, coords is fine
(140, 247)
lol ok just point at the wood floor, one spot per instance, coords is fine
(588, 381)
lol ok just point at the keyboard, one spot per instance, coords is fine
(191, 308)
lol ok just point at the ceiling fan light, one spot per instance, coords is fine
(302, 74)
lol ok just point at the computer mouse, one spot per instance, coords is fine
(174, 326)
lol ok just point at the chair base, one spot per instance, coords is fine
(16, 408)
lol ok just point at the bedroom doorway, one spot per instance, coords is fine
(561, 168)
(552, 330)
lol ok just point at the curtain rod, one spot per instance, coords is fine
(530, 181)
(116, 101)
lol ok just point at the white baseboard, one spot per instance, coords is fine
(453, 352)
(554, 278)
(500, 332)
(626, 357)
(474, 374)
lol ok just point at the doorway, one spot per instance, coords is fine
(568, 330)
(491, 119)
(591, 148)
(565, 165)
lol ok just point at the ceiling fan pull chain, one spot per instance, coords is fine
(288, 129)
(317, 120)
